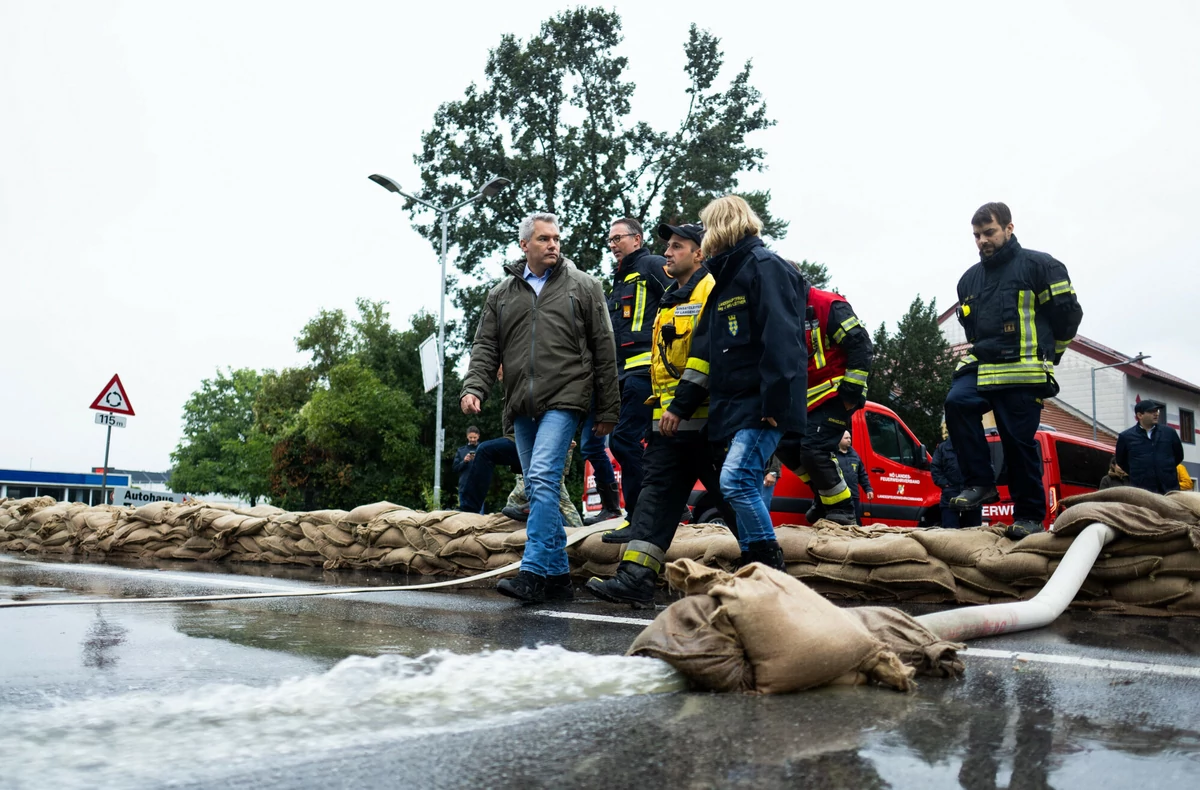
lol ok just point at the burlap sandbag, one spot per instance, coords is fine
(1132, 511)
(1182, 563)
(792, 637)
(1014, 567)
(694, 635)
(1137, 547)
(1150, 592)
(972, 577)
(959, 546)
(364, 513)
(1124, 569)
(882, 550)
(913, 643)
(929, 574)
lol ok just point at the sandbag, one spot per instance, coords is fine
(1013, 566)
(923, 575)
(792, 637)
(914, 644)
(959, 546)
(1182, 563)
(1048, 544)
(975, 579)
(882, 550)
(1149, 592)
(593, 549)
(1123, 569)
(694, 635)
(364, 513)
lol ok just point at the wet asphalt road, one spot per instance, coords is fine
(1064, 718)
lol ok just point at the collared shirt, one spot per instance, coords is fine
(1149, 432)
(536, 282)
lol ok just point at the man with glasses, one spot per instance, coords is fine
(639, 280)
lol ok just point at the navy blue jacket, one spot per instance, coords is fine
(946, 473)
(854, 472)
(638, 287)
(460, 463)
(748, 354)
(1151, 463)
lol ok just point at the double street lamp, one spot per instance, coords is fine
(1138, 358)
(490, 189)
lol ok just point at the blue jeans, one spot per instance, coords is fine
(742, 482)
(475, 482)
(592, 447)
(768, 494)
(542, 444)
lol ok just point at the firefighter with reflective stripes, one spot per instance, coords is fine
(672, 463)
(638, 284)
(1020, 312)
(839, 361)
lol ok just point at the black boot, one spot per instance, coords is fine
(1023, 528)
(633, 584)
(558, 588)
(768, 553)
(842, 513)
(619, 535)
(610, 504)
(974, 496)
(814, 513)
(526, 587)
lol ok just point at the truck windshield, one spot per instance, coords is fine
(889, 440)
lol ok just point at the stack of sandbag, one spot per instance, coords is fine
(766, 632)
(1152, 568)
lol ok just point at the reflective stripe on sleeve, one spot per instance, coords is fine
(695, 377)
(1060, 288)
(845, 328)
(639, 307)
(698, 365)
(638, 360)
(969, 359)
(858, 377)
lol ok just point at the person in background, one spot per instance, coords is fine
(854, 473)
(948, 477)
(1149, 451)
(1116, 476)
(463, 459)
(774, 467)
(1185, 478)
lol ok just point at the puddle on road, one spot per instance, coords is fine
(219, 730)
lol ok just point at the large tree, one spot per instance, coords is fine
(221, 452)
(554, 117)
(913, 368)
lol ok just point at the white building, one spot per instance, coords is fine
(1118, 389)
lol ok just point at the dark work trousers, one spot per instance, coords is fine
(952, 519)
(477, 479)
(1018, 412)
(592, 448)
(626, 439)
(671, 466)
(811, 457)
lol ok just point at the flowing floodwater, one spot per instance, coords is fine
(151, 739)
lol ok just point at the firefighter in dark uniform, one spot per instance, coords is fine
(1020, 312)
(672, 464)
(638, 284)
(745, 358)
(839, 361)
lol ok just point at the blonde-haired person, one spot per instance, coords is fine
(748, 357)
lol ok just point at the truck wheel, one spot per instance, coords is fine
(712, 516)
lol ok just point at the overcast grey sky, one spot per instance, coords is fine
(182, 185)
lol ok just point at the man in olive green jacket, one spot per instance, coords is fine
(547, 323)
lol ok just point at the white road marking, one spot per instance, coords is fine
(597, 618)
(105, 570)
(1093, 663)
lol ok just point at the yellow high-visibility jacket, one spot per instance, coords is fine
(674, 324)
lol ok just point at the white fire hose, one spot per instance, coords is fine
(972, 622)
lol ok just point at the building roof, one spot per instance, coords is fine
(1066, 419)
(1103, 354)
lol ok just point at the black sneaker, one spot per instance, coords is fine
(526, 586)
(516, 513)
(633, 585)
(619, 535)
(814, 513)
(558, 588)
(1023, 528)
(974, 496)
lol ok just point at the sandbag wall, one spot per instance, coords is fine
(1151, 574)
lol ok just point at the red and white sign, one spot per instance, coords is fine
(113, 398)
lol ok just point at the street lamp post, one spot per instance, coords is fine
(1138, 358)
(491, 188)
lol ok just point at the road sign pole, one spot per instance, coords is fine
(104, 476)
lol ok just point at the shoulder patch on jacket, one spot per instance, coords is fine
(689, 308)
(730, 303)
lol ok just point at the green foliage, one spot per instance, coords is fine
(221, 451)
(913, 369)
(327, 338)
(816, 274)
(553, 117)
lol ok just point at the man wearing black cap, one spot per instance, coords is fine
(1150, 452)
(678, 453)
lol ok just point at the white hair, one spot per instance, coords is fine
(526, 232)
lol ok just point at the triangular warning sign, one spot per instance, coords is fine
(113, 398)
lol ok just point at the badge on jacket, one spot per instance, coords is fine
(733, 326)
(627, 311)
